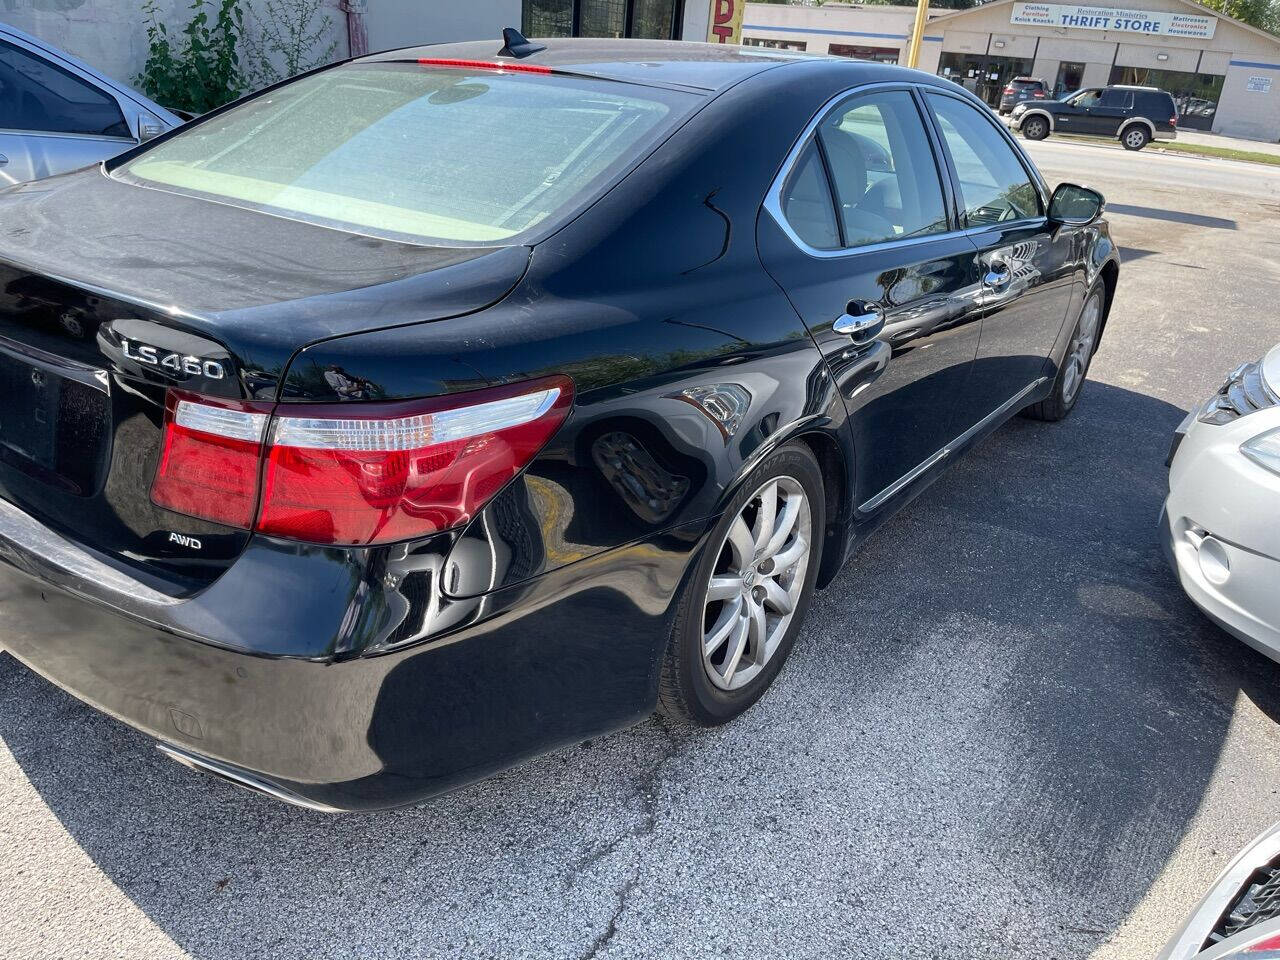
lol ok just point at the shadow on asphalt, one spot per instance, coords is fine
(1173, 216)
(1012, 710)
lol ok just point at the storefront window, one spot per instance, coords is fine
(1070, 78)
(648, 19)
(1195, 94)
(881, 54)
(548, 18)
(983, 75)
(798, 45)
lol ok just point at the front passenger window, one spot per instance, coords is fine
(38, 96)
(994, 185)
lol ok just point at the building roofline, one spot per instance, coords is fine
(1198, 7)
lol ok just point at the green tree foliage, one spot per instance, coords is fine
(290, 39)
(1264, 14)
(199, 68)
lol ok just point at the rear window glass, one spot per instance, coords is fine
(435, 154)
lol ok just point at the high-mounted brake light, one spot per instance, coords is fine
(356, 473)
(487, 65)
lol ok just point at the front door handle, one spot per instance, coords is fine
(997, 276)
(861, 320)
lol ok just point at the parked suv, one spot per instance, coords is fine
(1021, 89)
(1136, 115)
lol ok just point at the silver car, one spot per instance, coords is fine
(1220, 527)
(59, 114)
(1240, 915)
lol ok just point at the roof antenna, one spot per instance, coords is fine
(515, 45)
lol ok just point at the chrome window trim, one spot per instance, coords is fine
(773, 199)
(57, 135)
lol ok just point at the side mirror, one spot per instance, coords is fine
(149, 126)
(1075, 206)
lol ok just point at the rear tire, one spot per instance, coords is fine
(1135, 138)
(1069, 383)
(1035, 128)
(743, 606)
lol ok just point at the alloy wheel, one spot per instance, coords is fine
(1081, 349)
(1135, 139)
(756, 583)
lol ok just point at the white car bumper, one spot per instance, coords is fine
(1220, 526)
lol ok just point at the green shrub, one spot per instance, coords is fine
(199, 69)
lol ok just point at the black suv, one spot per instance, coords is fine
(1136, 115)
(1021, 89)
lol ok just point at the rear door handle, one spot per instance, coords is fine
(861, 320)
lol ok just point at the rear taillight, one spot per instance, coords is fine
(1038, 95)
(209, 460)
(1009, 89)
(1173, 121)
(353, 474)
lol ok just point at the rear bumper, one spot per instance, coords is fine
(551, 661)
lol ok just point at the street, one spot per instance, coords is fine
(1003, 732)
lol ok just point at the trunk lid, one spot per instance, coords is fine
(110, 294)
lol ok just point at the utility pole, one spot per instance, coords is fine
(357, 35)
(917, 33)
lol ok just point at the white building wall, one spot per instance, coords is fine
(111, 35)
(1250, 113)
(403, 23)
(697, 19)
(1133, 55)
(888, 27)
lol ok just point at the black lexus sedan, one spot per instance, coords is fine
(445, 406)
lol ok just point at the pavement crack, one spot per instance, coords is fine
(623, 893)
(646, 790)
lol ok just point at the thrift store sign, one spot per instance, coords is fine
(1154, 23)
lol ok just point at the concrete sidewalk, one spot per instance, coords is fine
(1204, 138)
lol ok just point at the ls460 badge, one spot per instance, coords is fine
(171, 362)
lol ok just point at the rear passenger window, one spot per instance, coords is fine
(806, 202)
(1122, 99)
(994, 185)
(883, 173)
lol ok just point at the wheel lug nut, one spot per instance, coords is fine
(758, 594)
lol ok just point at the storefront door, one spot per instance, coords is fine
(1070, 77)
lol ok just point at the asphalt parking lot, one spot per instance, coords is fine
(1003, 733)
